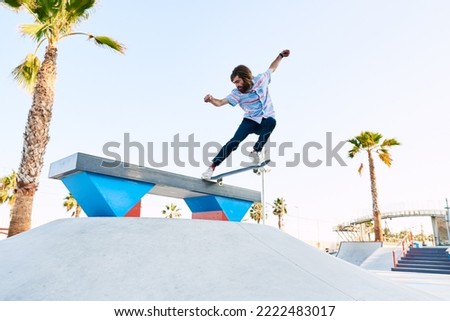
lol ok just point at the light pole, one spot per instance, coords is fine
(263, 201)
(447, 219)
(261, 171)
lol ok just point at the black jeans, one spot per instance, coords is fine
(246, 128)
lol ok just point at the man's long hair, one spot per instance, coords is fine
(245, 74)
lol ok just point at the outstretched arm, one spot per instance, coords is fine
(216, 102)
(274, 65)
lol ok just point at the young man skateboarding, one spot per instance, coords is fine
(252, 95)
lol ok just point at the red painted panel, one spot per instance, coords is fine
(135, 211)
(211, 215)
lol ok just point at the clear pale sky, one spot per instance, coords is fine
(354, 66)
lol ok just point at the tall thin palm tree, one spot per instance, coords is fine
(372, 143)
(280, 209)
(256, 212)
(171, 211)
(70, 203)
(54, 20)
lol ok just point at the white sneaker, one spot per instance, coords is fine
(256, 157)
(208, 173)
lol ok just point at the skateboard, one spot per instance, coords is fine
(219, 178)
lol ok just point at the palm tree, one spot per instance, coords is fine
(171, 211)
(256, 212)
(70, 203)
(371, 143)
(7, 189)
(280, 209)
(53, 21)
(7, 193)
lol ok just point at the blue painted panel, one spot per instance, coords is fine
(83, 190)
(87, 195)
(234, 209)
(203, 203)
(100, 195)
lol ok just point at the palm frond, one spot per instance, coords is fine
(13, 4)
(386, 158)
(79, 10)
(71, 204)
(390, 142)
(9, 182)
(356, 147)
(279, 207)
(68, 205)
(26, 73)
(354, 141)
(45, 10)
(34, 30)
(12, 199)
(360, 169)
(369, 140)
(3, 196)
(8, 188)
(109, 42)
(354, 151)
(256, 211)
(171, 211)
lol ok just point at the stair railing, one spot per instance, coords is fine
(404, 244)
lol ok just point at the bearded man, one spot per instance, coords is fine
(252, 95)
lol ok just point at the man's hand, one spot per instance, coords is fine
(274, 65)
(216, 102)
(208, 98)
(285, 53)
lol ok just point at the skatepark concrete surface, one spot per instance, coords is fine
(152, 259)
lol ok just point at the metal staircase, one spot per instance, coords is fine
(424, 260)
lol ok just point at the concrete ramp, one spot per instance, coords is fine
(172, 259)
(357, 252)
(380, 259)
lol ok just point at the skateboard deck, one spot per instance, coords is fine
(219, 178)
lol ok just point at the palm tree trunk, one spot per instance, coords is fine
(36, 138)
(77, 211)
(280, 222)
(376, 211)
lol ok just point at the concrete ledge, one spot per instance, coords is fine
(167, 184)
